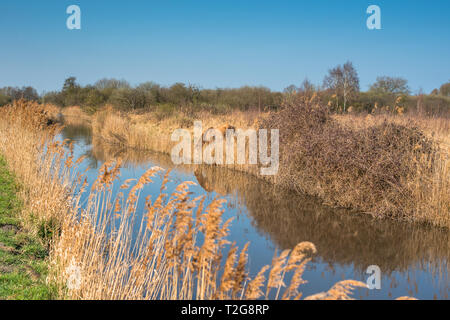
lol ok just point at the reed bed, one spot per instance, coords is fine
(147, 131)
(40, 164)
(365, 163)
(350, 238)
(75, 116)
(177, 252)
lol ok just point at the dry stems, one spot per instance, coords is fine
(177, 253)
(94, 252)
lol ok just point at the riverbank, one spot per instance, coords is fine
(178, 252)
(388, 166)
(23, 256)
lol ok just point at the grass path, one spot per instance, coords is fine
(23, 266)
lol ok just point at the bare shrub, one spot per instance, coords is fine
(374, 169)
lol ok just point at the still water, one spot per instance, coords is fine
(413, 259)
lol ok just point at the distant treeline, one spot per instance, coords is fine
(340, 91)
(151, 96)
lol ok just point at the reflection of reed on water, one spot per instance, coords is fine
(78, 133)
(132, 157)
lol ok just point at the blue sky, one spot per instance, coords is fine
(215, 43)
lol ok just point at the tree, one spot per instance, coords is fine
(306, 86)
(343, 81)
(350, 82)
(111, 84)
(177, 94)
(15, 93)
(130, 99)
(152, 90)
(445, 89)
(53, 97)
(70, 84)
(289, 90)
(4, 99)
(392, 85)
(94, 97)
(333, 82)
(71, 92)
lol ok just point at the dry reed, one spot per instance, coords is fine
(383, 165)
(177, 253)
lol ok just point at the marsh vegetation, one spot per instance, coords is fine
(172, 242)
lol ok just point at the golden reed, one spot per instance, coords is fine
(94, 254)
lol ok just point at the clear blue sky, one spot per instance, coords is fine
(218, 43)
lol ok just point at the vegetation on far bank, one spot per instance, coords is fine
(94, 253)
(340, 90)
(23, 256)
(387, 165)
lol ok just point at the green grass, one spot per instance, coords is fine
(23, 258)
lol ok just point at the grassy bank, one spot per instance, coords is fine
(389, 166)
(23, 257)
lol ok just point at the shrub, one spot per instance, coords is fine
(370, 169)
(4, 99)
(164, 111)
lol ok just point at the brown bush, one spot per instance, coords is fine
(372, 169)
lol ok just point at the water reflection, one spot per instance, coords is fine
(339, 236)
(407, 254)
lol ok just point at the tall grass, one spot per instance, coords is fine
(177, 252)
(26, 141)
(148, 131)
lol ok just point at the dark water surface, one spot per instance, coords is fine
(413, 259)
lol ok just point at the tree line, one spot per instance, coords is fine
(150, 95)
(340, 89)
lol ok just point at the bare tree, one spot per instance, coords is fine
(290, 89)
(333, 82)
(16, 93)
(343, 81)
(350, 82)
(111, 84)
(390, 85)
(307, 86)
